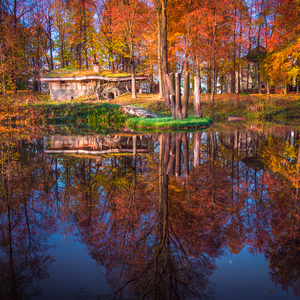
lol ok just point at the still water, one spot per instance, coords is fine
(210, 214)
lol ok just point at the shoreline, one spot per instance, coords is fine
(32, 108)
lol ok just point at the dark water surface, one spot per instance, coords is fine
(162, 216)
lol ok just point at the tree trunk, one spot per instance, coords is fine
(133, 85)
(197, 97)
(186, 94)
(212, 95)
(61, 51)
(165, 50)
(248, 72)
(209, 78)
(159, 54)
(286, 89)
(172, 92)
(187, 37)
(50, 44)
(178, 96)
(240, 51)
(234, 53)
(170, 84)
(85, 35)
(79, 55)
(4, 88)
(258, 64)
(173, 106)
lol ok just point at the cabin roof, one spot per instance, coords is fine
(71, 74)
(254, 53)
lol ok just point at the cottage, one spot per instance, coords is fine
(247, 76)
(69, 84)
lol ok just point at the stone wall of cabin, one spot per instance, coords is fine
(69, 90)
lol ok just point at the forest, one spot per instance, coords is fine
(209, 39)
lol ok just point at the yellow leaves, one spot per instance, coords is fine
(282, 158)
(281, 65)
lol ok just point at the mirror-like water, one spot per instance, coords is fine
(162, 216)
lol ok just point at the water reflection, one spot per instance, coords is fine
(157, 211)
(27, 217)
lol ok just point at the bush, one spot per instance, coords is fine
(105, 116)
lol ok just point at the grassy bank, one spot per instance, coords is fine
(253, 107)
(168, 123)
(32, 108)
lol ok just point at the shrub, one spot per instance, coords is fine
(105, 116)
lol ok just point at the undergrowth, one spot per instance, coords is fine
(107, 115)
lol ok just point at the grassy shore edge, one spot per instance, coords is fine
(168, 123)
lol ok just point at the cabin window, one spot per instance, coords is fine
(253, 86)
(63, 84)
(263, 86)
(84, 81)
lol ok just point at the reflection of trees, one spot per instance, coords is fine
(139, 243)
(282, 158)
(156, 222)
(25, 218)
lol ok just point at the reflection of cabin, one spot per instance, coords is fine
(246, 144)
(97, 145)
(74, 85)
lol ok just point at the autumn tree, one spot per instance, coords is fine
(130, 20)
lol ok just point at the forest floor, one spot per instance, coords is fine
(36, 108)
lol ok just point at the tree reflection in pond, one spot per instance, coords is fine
(137, 240)
(157, 211)
(27, 218)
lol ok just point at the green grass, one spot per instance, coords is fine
(168, 122)
(70, 72)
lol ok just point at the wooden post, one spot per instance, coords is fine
(197, 98)
(186, 94)
(178, 96)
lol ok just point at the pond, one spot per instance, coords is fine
(150, 216)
